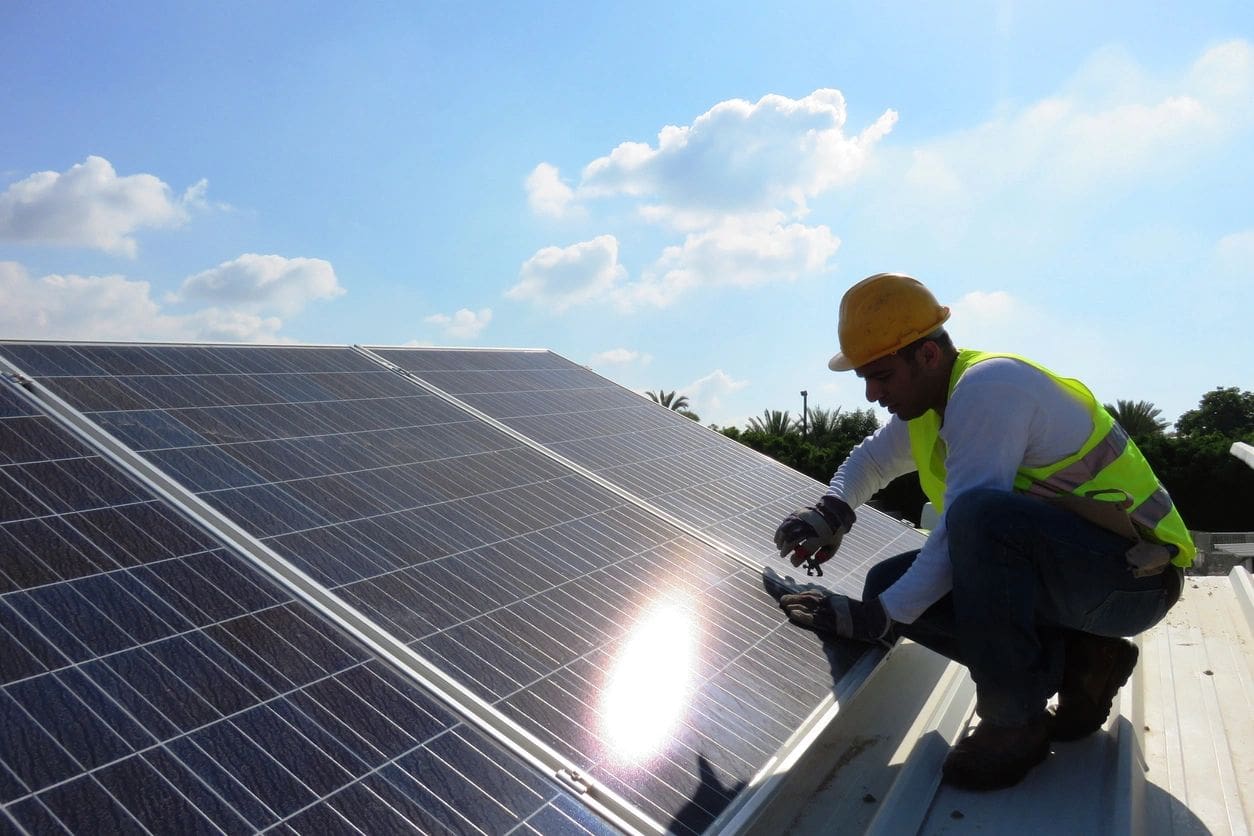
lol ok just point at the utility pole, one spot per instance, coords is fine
(804, 412)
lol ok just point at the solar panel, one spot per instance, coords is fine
(646, 658)
(153, 681)
(706, 480)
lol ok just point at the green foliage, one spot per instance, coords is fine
(827, 426)
(668, 399)
(773, 422)
(1138, 418)
(673, 401)
(1226, 411)
(1210, 487)
(822, 421)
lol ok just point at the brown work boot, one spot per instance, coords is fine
(993, 757)
(1096, 667)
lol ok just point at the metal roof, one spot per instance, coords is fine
(1176, 755)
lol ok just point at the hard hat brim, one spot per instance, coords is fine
(840, 363)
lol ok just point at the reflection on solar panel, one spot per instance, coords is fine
(644, 658)
(704, 479)
(151, 680)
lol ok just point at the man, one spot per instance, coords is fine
(1054, 539)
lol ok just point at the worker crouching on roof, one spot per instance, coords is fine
(1055, 538)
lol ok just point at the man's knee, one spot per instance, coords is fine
(978, 509)
(884, 574)
(982, 518)
(987, 512)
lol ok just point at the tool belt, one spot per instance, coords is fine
(1145, 557)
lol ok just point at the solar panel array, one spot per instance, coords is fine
(720, 487)
(647, 659)
(152, 681)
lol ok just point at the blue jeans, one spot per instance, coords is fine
(1025, 575)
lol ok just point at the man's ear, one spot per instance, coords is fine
(930, 353)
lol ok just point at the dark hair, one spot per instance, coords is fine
(940, 336)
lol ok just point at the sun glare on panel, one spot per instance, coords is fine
(649, 683)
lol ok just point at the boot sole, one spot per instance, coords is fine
(976, 777)
(1076, 722)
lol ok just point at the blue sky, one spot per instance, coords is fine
(674, 194)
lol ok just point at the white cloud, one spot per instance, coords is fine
(465, 324)
(740, 157)
(620, 357)
(1224, 75)
(984, 308)
(112, 308)
(90, 206)
(736, 183)
(547, 194)
(1234, 255)
(707, 393)
(559, 277)
(195, 197)
(1111, 125)
(739, 252)
(264, 282)
(221, 324)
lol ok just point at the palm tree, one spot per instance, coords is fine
(1138, 418)
(823, 422)
(676, 404)
(668, 399)
(772, 422)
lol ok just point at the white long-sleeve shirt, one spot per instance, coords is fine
(1002, 415)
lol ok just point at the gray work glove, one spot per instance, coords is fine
(814, 534)
(840, 615)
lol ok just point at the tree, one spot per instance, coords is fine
(854, 426)
(823, 422)
(1139, 419)
(1226, 411)
(773, 422)
(668, 399)
(1210, 487)
(674, 402)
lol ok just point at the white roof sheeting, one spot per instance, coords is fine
(1175, 757)
(1243, 451)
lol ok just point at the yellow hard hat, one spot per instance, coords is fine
(881, 314)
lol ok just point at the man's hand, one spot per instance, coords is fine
(816, 531)
(840, 615)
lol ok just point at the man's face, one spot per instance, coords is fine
(896, 385)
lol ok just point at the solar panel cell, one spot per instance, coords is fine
(199, 793)
(154, 802)
(83, 806)
(30, 752)
(565, 818)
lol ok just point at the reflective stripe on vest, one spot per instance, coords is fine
(1108, 466)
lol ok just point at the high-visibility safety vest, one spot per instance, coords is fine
(1108, 467)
